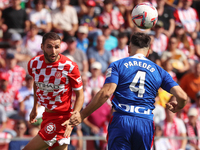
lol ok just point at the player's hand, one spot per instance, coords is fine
(173, 106)
(68, 129)
(33, 115)
(75, 119)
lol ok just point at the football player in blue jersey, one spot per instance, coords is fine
(133, 82)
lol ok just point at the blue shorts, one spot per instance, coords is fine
(130, 133)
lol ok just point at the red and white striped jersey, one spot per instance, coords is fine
(188, 17)
(120, 53)
(160, 44)
(8, 97)
(55, 81)
(114, 18)
(16, 76)
(98, 82)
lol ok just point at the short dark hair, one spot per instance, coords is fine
(140, 40)
(122, 35)
(50, 35)
(108, 1)
(37, 1)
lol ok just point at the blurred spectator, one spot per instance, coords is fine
(41, 17)
(3, 118)
(189, 18)
(9, 97)
(153, 56)
(185, 42)
(177, 58)
(32, 41)
(96, 79)
(78, 55)
(160, 143)
(28, 97)
(121, 51)
(159, 44)
(52, 4)
(82, 40)
(5, 137)
(89, 19)
(86, 89)
(165, 14)
(65, 19)
(85, 6)
(20, 52)
(125, 7)
(190, 82)
(197, 104)
(2, 57)
(169, 68)
(15, 18)
(193, 130)
(16, 73)
(99, 53)
(98, 120)
(63, 44)
(20, 128)
(4, 4)
(110, 41)
(173, 126)
(112, 17)
(159, 112)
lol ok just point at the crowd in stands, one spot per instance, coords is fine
(94, 34)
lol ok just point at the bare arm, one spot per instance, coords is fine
(181, 99)
(35, 107)
(79, 100)
(99, 99)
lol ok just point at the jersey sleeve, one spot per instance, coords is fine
(75, 79)
(167, 81)
(112, 75)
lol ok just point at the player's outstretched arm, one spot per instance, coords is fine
(33, 113)
(77, 107)
(180, 101)
(99, 99)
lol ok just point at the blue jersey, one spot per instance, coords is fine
(138, 80)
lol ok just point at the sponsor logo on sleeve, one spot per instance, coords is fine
(79, 80)
(108, 72)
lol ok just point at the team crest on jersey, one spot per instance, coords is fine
(50, 128)
(58, 74)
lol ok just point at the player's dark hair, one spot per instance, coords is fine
(140, 40)
(50, 35)
(37, 1)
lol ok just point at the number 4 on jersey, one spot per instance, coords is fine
(140, 76)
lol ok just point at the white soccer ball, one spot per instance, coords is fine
(144, 15)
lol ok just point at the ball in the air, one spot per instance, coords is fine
(144, 15)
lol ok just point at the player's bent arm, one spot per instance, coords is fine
(35, 96)
(180, 95)
(79, 100)
(99, 99)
